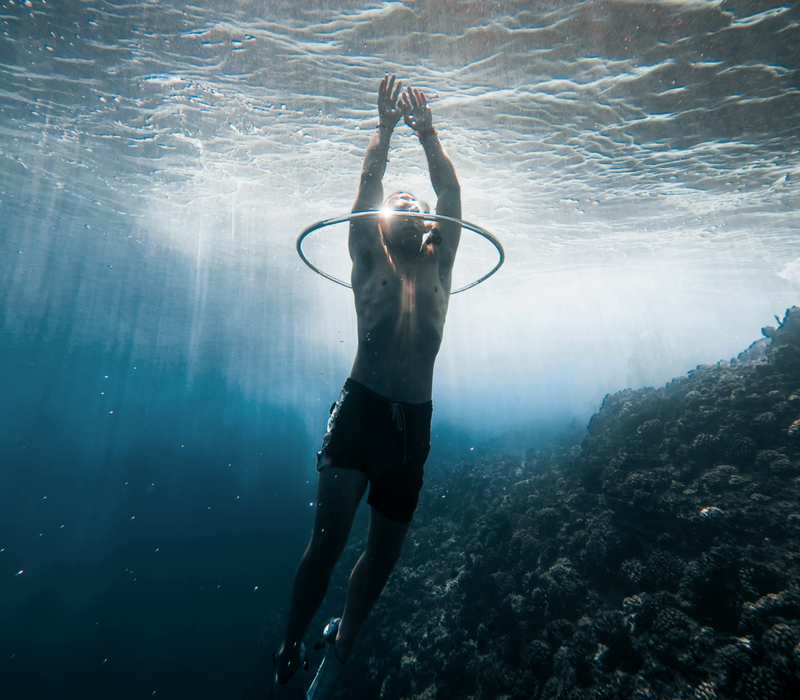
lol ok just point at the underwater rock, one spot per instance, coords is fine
(657, 559)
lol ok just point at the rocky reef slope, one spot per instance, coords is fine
(659, 559)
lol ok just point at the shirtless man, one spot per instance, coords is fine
(379, 427)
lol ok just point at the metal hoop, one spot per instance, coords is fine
(427, 217)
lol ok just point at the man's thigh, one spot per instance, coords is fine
(385, 537)
(339, 491)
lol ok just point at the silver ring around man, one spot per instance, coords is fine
(427, 217)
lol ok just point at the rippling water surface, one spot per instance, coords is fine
(550, 109)
(610, 145)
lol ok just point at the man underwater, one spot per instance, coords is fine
(380, 426)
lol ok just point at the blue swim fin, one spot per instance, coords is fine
(326, 685)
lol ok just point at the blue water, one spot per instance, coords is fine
(168, 360)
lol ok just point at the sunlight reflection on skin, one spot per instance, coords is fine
(406, 323)
(406, 320)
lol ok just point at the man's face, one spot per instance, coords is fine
(404, 232)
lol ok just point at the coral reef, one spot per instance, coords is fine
(658, 559)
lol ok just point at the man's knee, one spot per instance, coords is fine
(386, 555)
(382, 564)
(325, 548)
(389, 558)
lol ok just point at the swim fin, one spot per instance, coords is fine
(328, 679)
(294, 689)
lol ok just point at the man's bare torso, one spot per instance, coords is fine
(401, 286)
(401, 307)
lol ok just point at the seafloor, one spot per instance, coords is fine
(658, 559)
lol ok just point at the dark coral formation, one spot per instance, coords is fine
(657, 560)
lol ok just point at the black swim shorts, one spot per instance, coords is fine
(387, 440)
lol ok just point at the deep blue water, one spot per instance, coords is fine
(147, 558)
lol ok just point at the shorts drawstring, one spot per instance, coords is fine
(398, 415)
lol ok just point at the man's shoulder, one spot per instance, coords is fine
(364, 235)
(364, 217)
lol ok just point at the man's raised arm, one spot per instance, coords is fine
(370, 189)
(418, 116)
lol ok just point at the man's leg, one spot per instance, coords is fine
(339, 492)
(384, 544)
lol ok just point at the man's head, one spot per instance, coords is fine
(403, 232)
